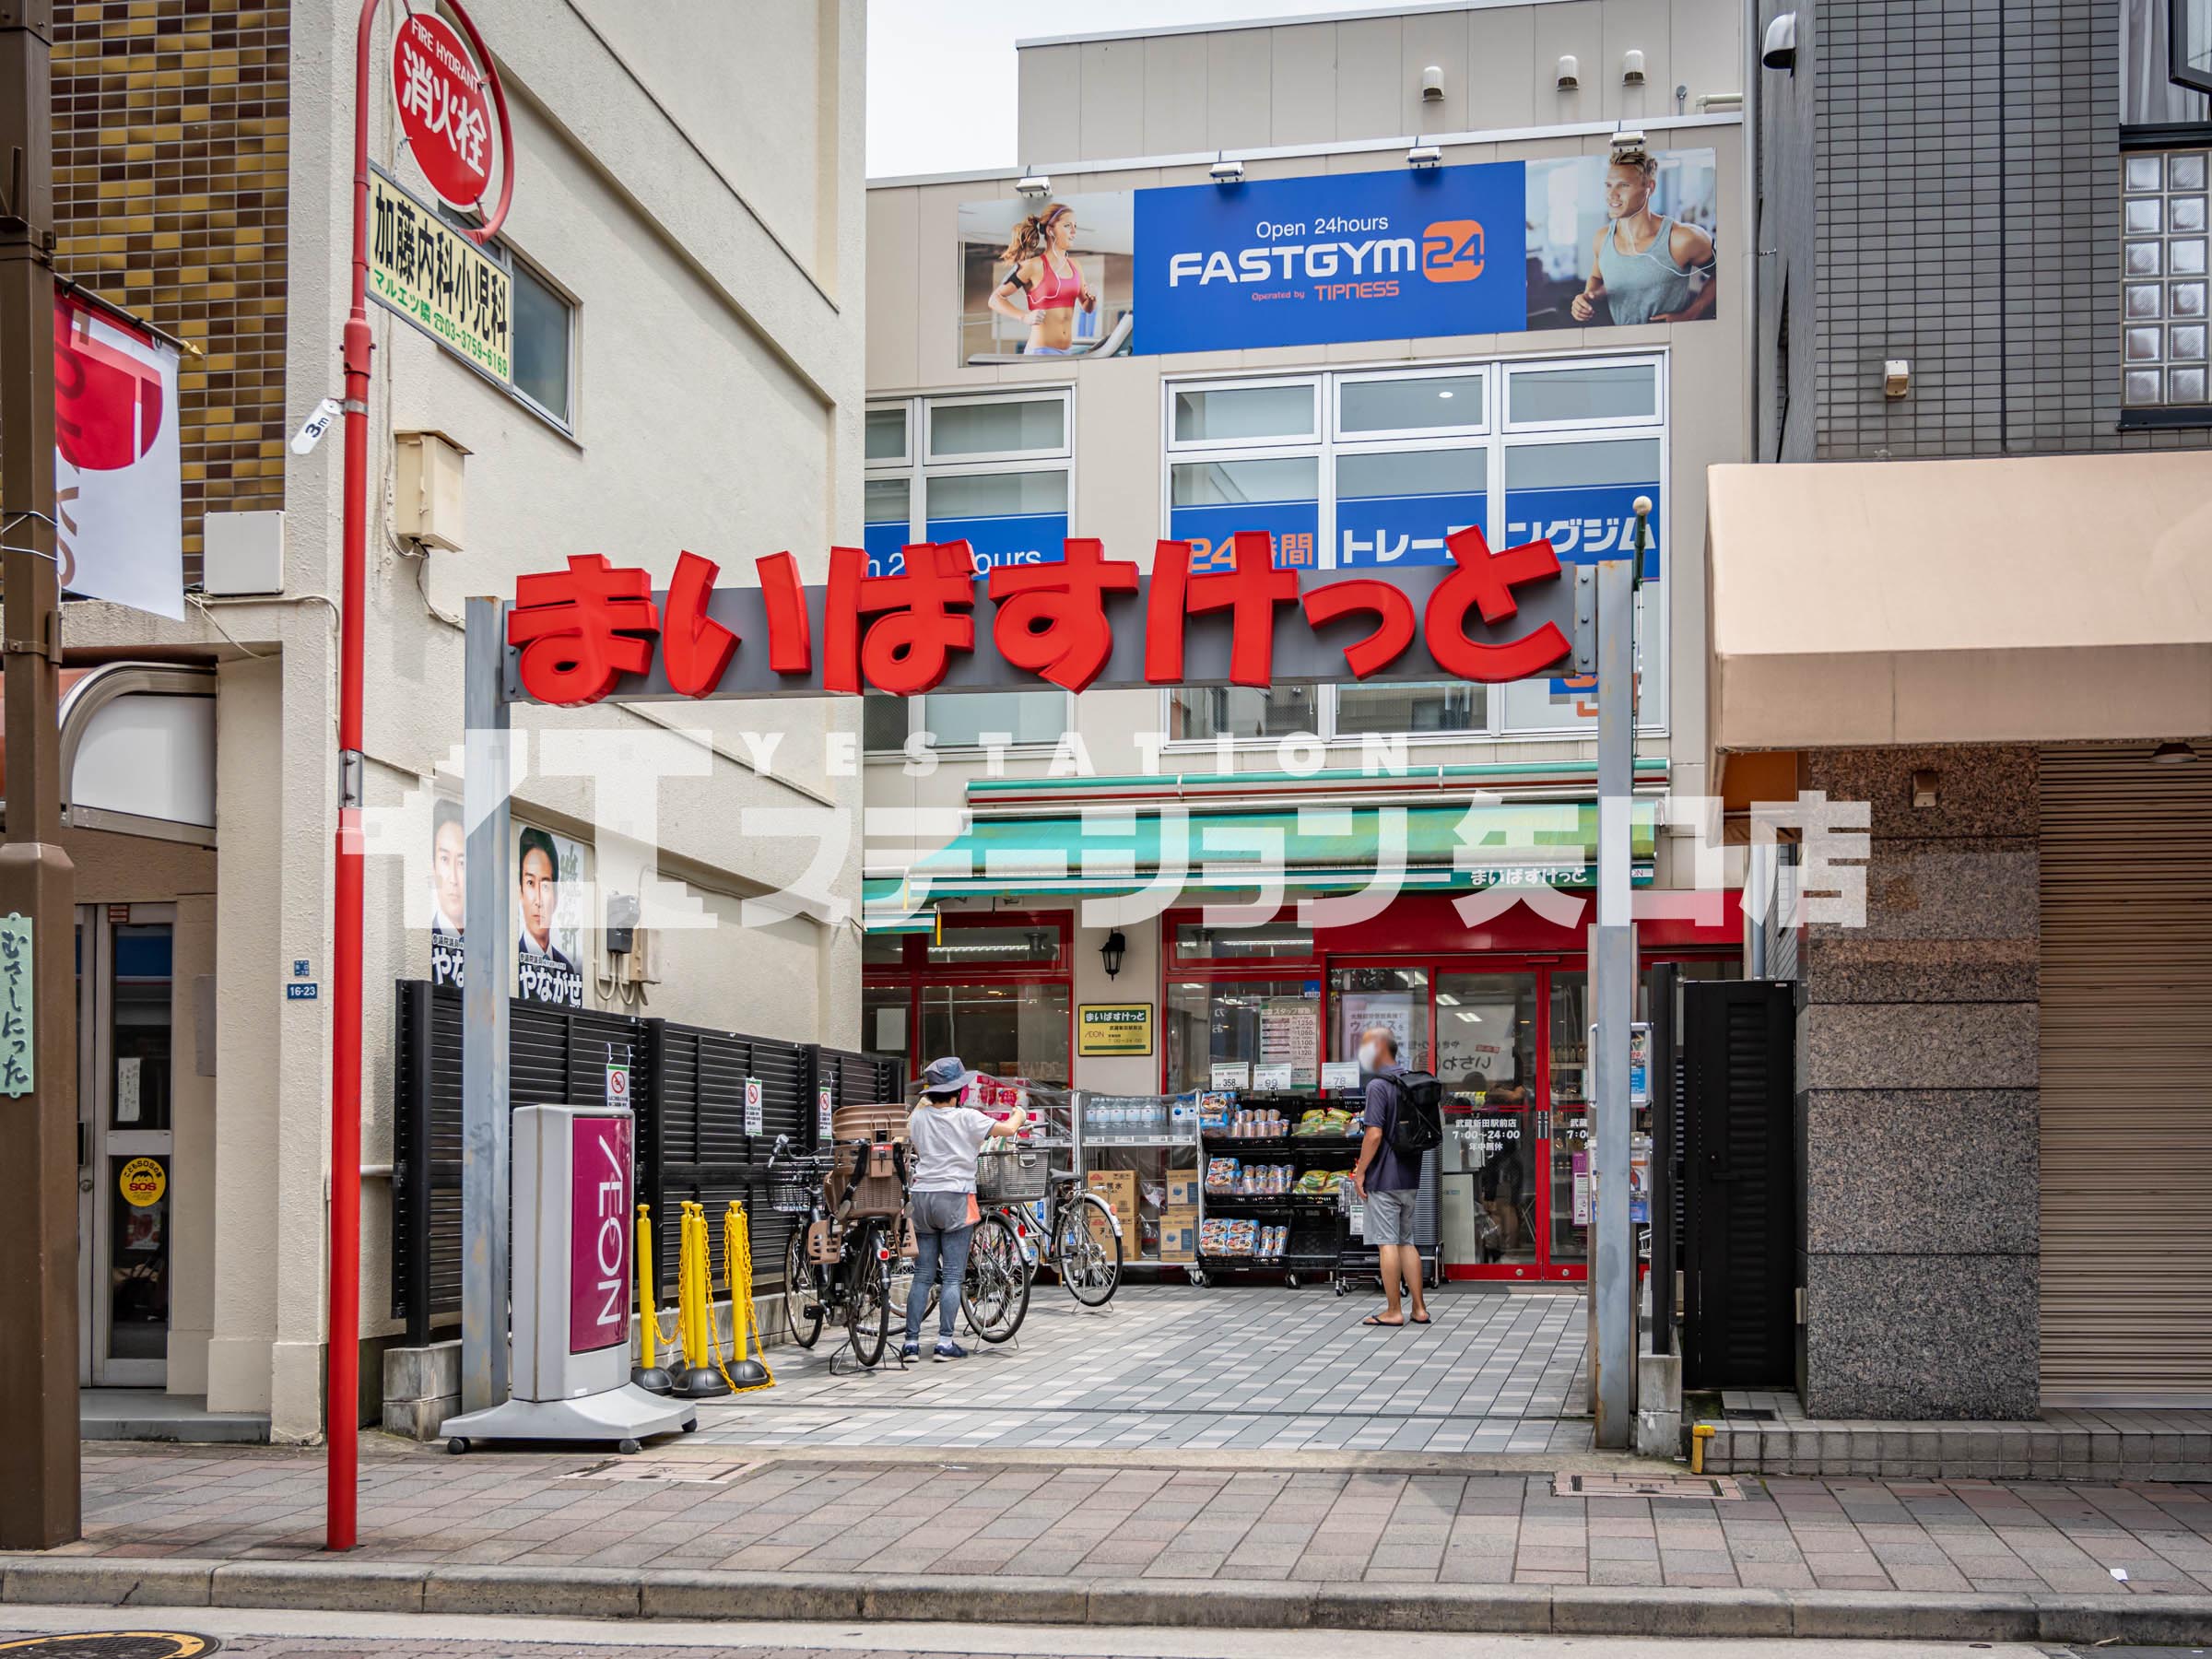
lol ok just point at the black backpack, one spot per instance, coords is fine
(1418, 1125)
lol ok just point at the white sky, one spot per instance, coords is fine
(941, 72)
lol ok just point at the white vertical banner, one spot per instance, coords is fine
(118, 463)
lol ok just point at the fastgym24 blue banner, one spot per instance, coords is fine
(1341, 256)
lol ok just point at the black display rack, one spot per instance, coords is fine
(1317, 1226)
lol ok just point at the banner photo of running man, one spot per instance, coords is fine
(1045, 278)
(1624, 239)
(1502, 247)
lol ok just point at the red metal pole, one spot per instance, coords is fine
(342, 1379)
(341, 1396)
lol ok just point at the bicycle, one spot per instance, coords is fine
(994, 1291)
(855, 1284)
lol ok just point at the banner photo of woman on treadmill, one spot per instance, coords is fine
(1044, 278)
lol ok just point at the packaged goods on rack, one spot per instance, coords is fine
(1318, 1184)
(1328, 1121)
(1221, 1176)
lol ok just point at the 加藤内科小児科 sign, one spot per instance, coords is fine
(431, 273)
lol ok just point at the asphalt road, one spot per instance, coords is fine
(281, 1634)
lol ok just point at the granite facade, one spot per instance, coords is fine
(1918, 1102)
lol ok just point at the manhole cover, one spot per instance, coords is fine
(112, 1645)
(1644, 1486)
(683, 1471)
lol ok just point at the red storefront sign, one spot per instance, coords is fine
(440, 91)
(595, 629)
(599, 1230)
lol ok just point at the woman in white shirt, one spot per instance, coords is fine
(944, 1137)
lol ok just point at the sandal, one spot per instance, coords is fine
(1422, 1319)
(1387, 1324)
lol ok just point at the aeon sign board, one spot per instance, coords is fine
(599, 1233)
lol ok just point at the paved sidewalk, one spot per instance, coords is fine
(1127, 1519)
(1168, 1367)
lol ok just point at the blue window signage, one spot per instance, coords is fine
(1293, 527)
(1586, 522)
(1006, 538)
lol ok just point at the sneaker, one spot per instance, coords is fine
(910, 1351)
(951, 1350)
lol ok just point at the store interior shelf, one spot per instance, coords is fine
(1137, 1140)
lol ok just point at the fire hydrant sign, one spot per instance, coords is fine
(442, 108)
(599, 1224)
(435, 278)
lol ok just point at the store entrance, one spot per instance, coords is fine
(126, 1138)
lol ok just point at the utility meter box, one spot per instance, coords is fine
(428, 502)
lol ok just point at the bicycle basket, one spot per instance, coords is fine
(1017, 1175)
(791, 1198)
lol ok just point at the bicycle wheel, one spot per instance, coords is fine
(801, 1290)
(1088, 1250)
(868, 1308)
(997, 1287)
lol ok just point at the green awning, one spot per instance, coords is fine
(892, 904)
(1340, 849)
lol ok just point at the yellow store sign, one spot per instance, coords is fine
(431, 273)
(1113, 1028)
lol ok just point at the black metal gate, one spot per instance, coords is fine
(687, 1088)
(1740, 1198)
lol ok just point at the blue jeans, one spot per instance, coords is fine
(938, 1253)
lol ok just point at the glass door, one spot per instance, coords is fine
(1486, 1050)
(126, 1139)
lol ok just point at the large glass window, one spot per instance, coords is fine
(1394, 998)
(1194, 941)
(543, 346)
(1007, 1028)
(996, 477)
(1518, 449)
(1486, 1058)
(1271, 1025)
(973, 427)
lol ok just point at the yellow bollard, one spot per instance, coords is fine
(648, 1375)
(1697, 1436)
(698, 1379)
(750, 1372)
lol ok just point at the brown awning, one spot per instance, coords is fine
(1979, 601)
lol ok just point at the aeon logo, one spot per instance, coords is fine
(1451, 251)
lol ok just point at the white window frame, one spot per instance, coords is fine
(915, 470)
(1494, 435)
(1311, 435)
(921, 423)
(905, 457)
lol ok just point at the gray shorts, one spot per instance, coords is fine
(1389, 1219)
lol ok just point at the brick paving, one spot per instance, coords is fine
(1260, 1368)
(1132, 1517)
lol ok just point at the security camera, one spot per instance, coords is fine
(1228, 170)
(1424, 155)
(1034, 185)
(1627, 139)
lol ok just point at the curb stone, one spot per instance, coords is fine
(355, 1588)
(632, 1594)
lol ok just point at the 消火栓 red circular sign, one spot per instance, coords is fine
(442, 108)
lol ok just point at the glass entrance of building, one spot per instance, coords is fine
(126, 1138)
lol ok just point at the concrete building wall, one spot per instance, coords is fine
(1918, 1097)
(1168, 92)
(702, 209)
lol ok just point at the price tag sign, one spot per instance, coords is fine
(754, 1099)
(824, 1112)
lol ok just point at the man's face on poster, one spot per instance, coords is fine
(541, 889)
(448, 867)
(1627, 191)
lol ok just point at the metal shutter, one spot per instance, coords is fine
(2127, 1074)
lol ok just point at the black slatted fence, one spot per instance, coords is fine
(687, 1088)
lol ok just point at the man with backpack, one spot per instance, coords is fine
(1404, 1121)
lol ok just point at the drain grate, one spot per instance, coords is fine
(680, 1471)
(1706, 1487)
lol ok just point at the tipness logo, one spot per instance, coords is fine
(1447, 250)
